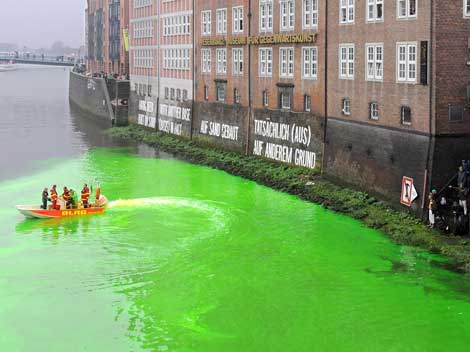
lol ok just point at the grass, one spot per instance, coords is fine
(401, 227)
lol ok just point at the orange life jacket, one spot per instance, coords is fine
(85, 193)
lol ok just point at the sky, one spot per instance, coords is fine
(39, 23)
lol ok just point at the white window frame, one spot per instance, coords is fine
(309, 62)
(374, 4)
(265, 98)
(407, 16)
(289, 7)
(307, 103)
(265, 60)
(237, 61)
(288, 64)
(221, 55)
(466, 8)
(238, 25)
(407, 62)
(349, 11)
(206, 18)
(346, 108)
(206, 60)
(403, 122)
(221, 15)
(377, 62)
(309, 14)
(350, 68)
(289, 100)
(266, 16)
(374, 112)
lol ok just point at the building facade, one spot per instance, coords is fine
(382, 85)
(106, 21)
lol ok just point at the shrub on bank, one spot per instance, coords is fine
(401, 227)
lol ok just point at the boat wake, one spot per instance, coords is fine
(218, 215)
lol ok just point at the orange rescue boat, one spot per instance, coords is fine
(31, 211)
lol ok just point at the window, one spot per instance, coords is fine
(407, 8)
(221, 21)
(237, 16)
(221, 61)
(456, 113)
(310, 14)
(220, 92)
(406, 62)
(265, 62)
(346, 11)
(285, 100)
(178, 94)
(286, 59)
(236, 96)
(266, 16)
(375, 10)
(185, 94)
(466, 8)
(176, 25)
(309, 63)
(405, 115)
(346, 106)
(206, 93)
(206, 22)
(172, 94)
(206, 60)
(143, 29)
(374, 62)
(143, 58)
(374, 111)
(307, 103)
(287, 10)
(346, 61)
(149, 90)
(265, 98)
(167, 93)
(142, 3)
(237, 61)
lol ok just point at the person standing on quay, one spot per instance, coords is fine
(432, 210)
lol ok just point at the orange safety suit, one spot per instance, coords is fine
(54, 198)
(66, 198)
(85, 196)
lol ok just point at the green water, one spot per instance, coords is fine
(191, 259)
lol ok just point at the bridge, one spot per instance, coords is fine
(39, 60)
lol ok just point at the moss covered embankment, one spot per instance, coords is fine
(401, 227)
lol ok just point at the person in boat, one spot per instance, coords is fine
(54, 198)
(45, 198)
(73, 199)
(85, 196)
(66, 197)
(98, 193)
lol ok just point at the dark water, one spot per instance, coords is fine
(187, 258)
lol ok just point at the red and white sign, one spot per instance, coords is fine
(408, 191)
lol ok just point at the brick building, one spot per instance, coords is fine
(105, 23)
(397, 102)
(387, 80)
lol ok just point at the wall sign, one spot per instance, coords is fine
(219, 130)
(408, 191)
(147, 121)
(288, 143)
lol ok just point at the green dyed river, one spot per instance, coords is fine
(187, 258)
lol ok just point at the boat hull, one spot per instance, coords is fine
(35, 212)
